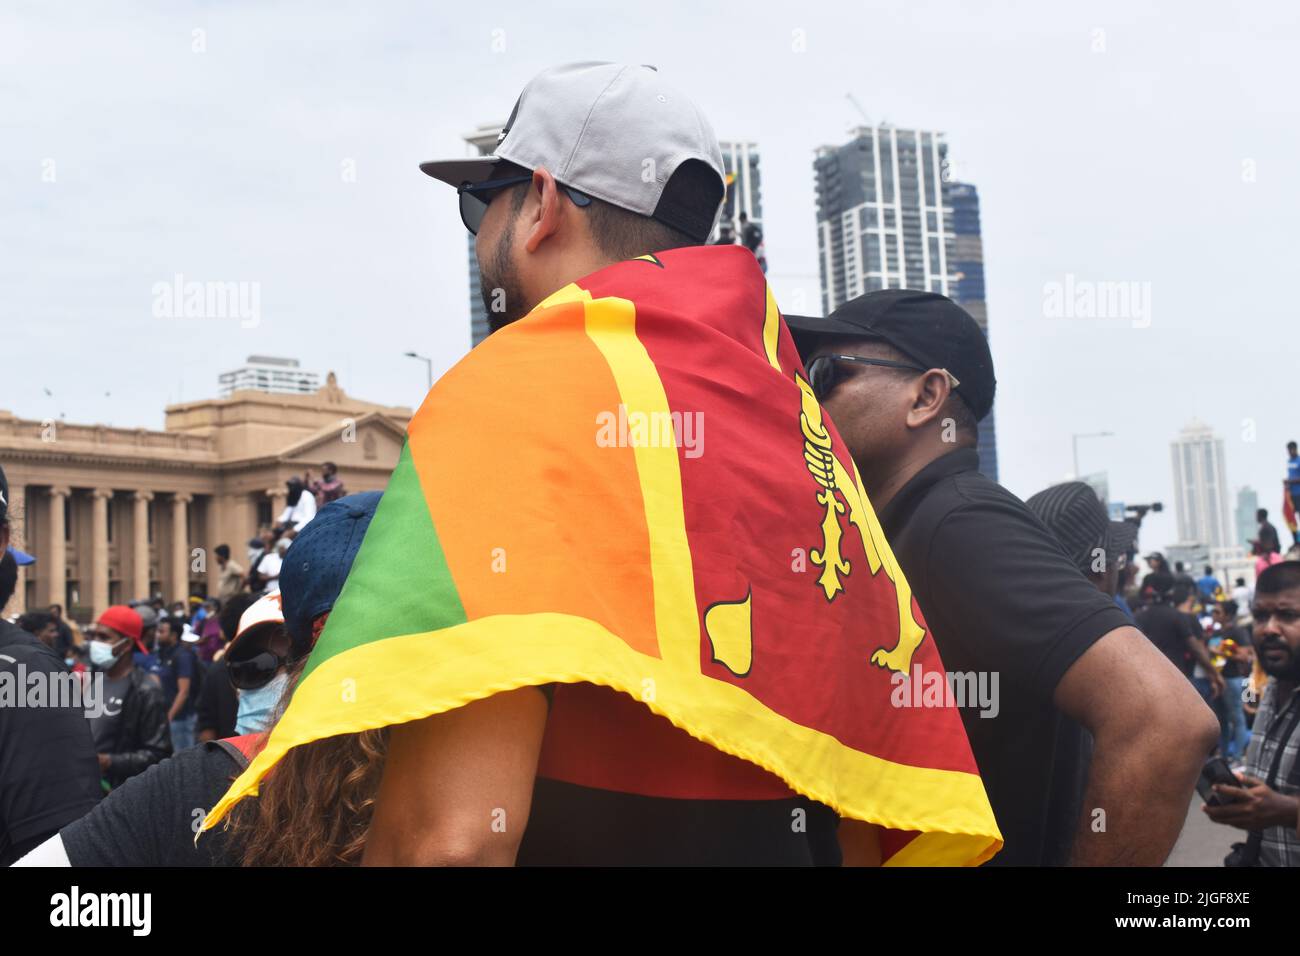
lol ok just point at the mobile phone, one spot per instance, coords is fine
(1216, 770)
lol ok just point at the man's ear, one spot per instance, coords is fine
(929, 396)
(545, 214)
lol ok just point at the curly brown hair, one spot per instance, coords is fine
(315, 807)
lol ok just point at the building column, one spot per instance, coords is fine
(278, 498)
(99, 550)
(180, 549)
(18, 539)
(140, 545)
(54, 574)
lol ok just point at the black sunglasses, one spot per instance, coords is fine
(255, 671)
(476, 197)
(824, 371)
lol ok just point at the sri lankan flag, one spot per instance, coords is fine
(634, 487)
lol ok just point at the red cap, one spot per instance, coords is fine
(124, 620)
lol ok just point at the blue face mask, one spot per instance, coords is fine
(257, 706)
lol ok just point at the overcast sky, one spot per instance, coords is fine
(1113, 142)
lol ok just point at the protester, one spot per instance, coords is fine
(264, 572)
(327, 488)
(1205, 676)
(1267, 805)
(1291, 488)
(1208, 587)
(181, 679)
(70, 641)
(1157, 565)
(577, 248)
(218, 703)
(1171, 628)
(131, 731)
(1242, 594)
(48, 774)
(209, 635)
(149, 821)
(145, 653)
(1267, 542)
(42, 626)
(906, 377)
(751, 237)
(1233, 645)
(300, 506)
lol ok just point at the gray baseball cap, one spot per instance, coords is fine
(615, 132)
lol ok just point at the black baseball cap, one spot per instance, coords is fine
(930, 329)
(1078, 520)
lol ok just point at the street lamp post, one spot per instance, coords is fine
(428, 364)
(1074, 439)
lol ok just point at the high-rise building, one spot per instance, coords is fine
(266, 373)
(744, 186)
(481, 141)
(967, 262)
(1200, 487)
(888, 218)
(1247, 505)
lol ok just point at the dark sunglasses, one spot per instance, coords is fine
(824, 371)
(476, 197)
(255, 671)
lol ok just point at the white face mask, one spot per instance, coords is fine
(256, 706)
(102, 656)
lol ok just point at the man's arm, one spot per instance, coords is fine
(859, 843)
(1151, 733)
(457, 787)
(1202, 655)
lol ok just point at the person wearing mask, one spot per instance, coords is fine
(209, 633)
(218, 703)
(181, 681)
(149, 820)
(299, 508)
(1267, 803)
(131, 731)
(592, 770)
(48, 773)
(906, 377)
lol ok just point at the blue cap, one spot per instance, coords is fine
(318, 562)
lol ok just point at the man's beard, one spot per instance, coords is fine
(1287, 670)
(498, 285)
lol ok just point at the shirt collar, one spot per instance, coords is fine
(900, 507)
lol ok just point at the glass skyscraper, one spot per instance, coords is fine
(888, 218)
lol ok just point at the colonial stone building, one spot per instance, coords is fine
(114, 514)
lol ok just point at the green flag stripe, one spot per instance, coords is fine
(399, 583)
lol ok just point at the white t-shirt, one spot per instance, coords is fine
(300, 513)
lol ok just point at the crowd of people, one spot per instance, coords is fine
(1108, 695)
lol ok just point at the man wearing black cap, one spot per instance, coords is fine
(907, 376)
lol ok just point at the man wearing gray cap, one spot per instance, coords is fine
(604, 187)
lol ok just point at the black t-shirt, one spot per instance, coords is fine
(1168, 629)
(151, 820)
(179, 661)
(218, 703)
(48, 771)
(1001, 598)
(1232, 667)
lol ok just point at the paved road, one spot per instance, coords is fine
(1203, 843)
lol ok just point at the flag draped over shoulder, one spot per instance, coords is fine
(633, 486)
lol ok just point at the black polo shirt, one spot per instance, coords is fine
(1000, 597)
